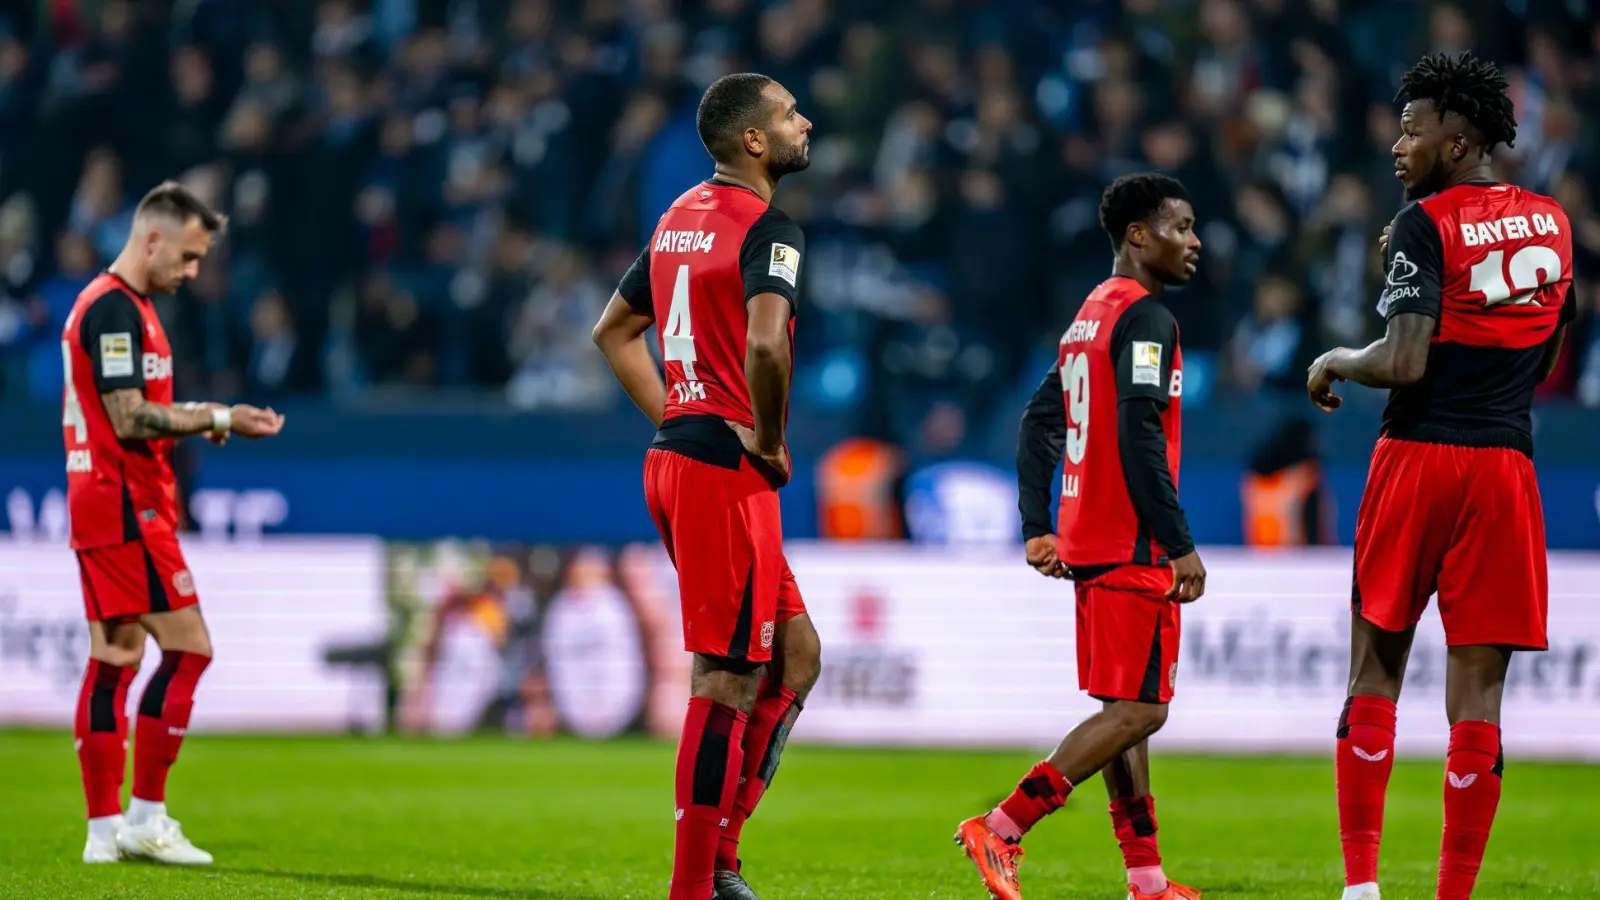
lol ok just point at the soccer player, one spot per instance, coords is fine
(720, 280)
(120, 426)
(1112, 402)
(1478, 298)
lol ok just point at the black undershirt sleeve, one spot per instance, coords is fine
(1143, 345)
(635, 286)
(112, 333)
(770, 258)
(1041, 436)
(1415, 265)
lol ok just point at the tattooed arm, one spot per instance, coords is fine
(135, 418)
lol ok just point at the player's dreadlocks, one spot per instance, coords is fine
(1136, 198)
(732, 104)
(1463, 84)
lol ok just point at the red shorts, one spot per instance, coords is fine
(1464, 522)
(1128, 634)
(123, 581)
(724, 533)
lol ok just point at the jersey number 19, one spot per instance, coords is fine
(1075, 388)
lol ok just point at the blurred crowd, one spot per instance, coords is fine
(436, 194)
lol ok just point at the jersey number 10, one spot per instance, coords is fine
(677, 340)
(1531, 268)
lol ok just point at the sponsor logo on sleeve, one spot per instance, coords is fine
(116, 355)
(1147, 363)
(785, 263)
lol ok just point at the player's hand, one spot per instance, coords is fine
(252, 422)
(778, 462)
(1320, 380)
(1188, 578)
(1383, 241)
(1041, 553)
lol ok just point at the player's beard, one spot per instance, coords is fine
(1433, 183)
(789, 158)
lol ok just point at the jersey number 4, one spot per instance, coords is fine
(677, 340)
(71, 409)
(1531, 268)
(1075, 387)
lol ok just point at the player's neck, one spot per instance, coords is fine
(1129, 269)
(1477, 174)
(131, 274)
(761, 185)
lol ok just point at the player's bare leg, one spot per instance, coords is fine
(1133, 816)
(163, 720)
(796, 664)
(1475, 681)
(710, 754)
(993, 841)
(100, 730)
(1364, 758)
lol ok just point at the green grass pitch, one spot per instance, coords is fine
(338, 818)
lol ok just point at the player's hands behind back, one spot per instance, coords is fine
(1041, 553)
(253, 422)
(1188, 578)
(778, 461)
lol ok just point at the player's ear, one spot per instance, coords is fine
(755, 141)
(1134, 236)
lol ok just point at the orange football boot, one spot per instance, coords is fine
(996, 860)
(1174, 891)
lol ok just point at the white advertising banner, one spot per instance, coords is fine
(947, 648)
(276, 611)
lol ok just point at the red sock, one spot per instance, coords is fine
(163, 718)
(100, 732)
(1471, 796)
(710, 754)
(1041, 792)
(1134, 820)
(764, 740)
(1362, 765)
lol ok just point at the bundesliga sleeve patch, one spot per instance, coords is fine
(116, 355)
(1147, 363)
(785, 263)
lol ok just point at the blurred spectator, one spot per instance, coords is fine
(432, 194)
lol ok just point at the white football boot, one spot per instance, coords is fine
(1368, 891)
(160, 839)
(101, 847)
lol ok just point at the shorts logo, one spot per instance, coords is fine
(785, 263)
(183, 583)
(1172, 675)
(768, 631)
(1147, 363)
(1461, 782)
(116, 355)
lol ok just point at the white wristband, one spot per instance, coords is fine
(221, 421)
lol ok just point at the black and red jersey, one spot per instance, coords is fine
(1111, 411)
(1492, 263)
(714, 249)
(113, 340)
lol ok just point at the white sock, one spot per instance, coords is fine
(105, 828)
(1368, 891)
(142, 811)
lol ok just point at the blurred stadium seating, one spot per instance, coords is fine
(432, 199)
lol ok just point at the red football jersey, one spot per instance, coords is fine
(113, 340)
(1122, 346)
(716, 247)
(1492, 263)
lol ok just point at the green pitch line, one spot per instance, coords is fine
(346, 818)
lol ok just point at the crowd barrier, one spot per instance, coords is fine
(935, 648)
